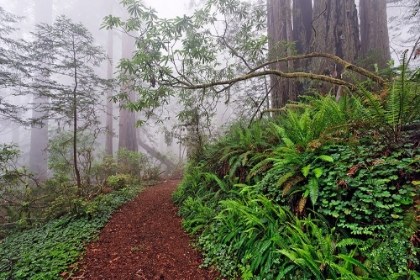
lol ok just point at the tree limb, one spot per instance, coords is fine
(294, 75)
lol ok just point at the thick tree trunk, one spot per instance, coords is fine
(374, 31)
(39, 135)
(279, 29)
(127, 127)
(336, 32)
(302, 28)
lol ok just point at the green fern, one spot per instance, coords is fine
(410, 221)
(396, 107)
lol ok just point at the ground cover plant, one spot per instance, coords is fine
(326, 190)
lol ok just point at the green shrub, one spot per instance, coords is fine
(131, 163)
(119, 181)
(105, 167)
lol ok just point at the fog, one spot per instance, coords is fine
(90, 14)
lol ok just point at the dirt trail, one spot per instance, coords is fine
(144, 240)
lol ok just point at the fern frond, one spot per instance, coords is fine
(349, 242)
(284, 178)
(313, 190)
(290, 184)
(410, 221)
(258, 168)
(302, 204)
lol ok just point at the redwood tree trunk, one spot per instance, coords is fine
(302, 27)
(336, 32)
(302, 30)
(279, 29)
(374, 31)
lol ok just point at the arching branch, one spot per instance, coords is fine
(294, 75)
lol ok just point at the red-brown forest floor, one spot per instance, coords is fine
(144, 240)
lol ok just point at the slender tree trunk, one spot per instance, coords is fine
(374, 31)
(292, 95)
(39, 135)
(109, 104)
(75, 161)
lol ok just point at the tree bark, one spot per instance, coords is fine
(302, 30)
(279, 29)
(336, 31)
(374, 31)
(38, 159)
(302, 24)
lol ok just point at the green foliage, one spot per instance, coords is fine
(20, 196)
(240, 150)
(25, 203)
(196, 214)
(61, 162)
(196, 40)
(241, 235)
(314, 249)
(131, 163)
(13, 68)
(396, 107)
(103, 168)
(392, 251)
(365, 191)
(119, 181)
(68, 80)
(135, 165)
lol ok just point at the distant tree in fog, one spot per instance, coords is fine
(38, 158)
(12, 67)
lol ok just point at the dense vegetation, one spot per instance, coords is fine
(324, 190)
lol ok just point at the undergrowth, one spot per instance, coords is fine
(45, 252)
(328, 190)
